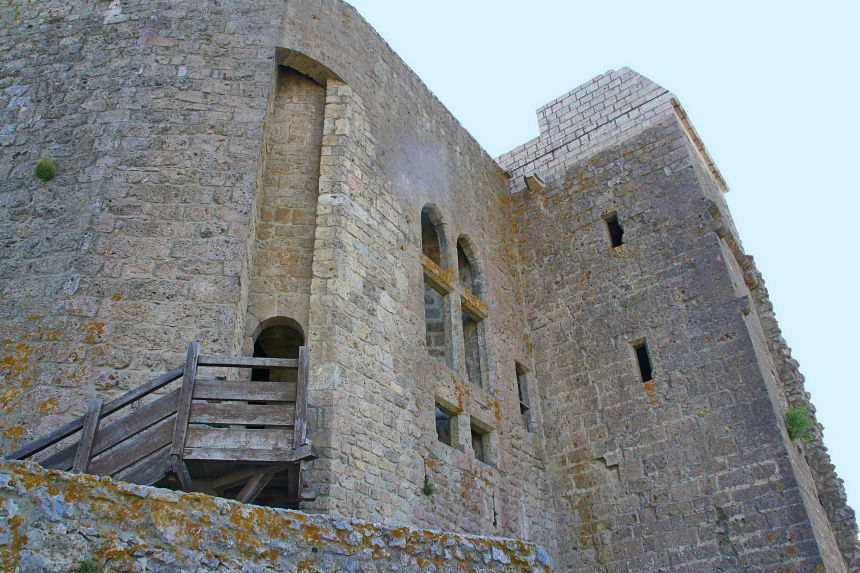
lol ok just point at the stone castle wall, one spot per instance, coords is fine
(226, 167)
(153, 115)
(705, 436)
(181, 240)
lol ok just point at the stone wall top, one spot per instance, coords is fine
(594, 116)
(53, 521)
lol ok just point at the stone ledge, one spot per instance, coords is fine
(52, 521)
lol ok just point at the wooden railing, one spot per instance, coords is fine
(250, 422)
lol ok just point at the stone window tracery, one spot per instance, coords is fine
(437, 321)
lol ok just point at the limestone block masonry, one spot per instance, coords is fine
(563, 357)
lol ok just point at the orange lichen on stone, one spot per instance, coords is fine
(306, 566)
(650, 390)
(18, 359)
(13, 432)
(10, 554)
(49, 405)
(443, 277)
(7, 397)
(93, 331)
(310, 532)
(473, 303)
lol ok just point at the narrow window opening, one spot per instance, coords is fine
(472, 348)
(464, 267)
(616, 232)
(479, 444)
(443, 425)
(430, 243)
(644, 361)
(436, 329)
(523, 392)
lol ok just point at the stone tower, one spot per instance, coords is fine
(566, 345)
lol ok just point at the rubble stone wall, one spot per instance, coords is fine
(53, 521)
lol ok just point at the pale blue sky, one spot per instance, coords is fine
(771, 87)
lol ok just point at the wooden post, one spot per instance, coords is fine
(88, 436)
(183, 409)
(300, 429)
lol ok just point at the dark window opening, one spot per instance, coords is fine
(616, 233)
(278, 341)
(472, 348)
(644, 361)
(523, 392)
(443, 425)
(478, 445)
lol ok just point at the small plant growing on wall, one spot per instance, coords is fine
(428, 487)
(88, 566)
(45, 169)
(797, 423)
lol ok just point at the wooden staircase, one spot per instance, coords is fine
(226, 438)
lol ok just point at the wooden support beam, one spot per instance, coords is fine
(178, 467)
(183, 409)
(241, 475)
(88, 436)
(255, 485)
(300, 429)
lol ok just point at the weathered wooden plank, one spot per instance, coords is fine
(183, 406)
(241, 413)
(254, 486)
(122, 429)
(134, 449)
(300, 429)
(107, 409)
(247, 362)
(88, 434)
(237, 454)
(149, 470)
(238, 438)
(306, 452)
(234, 390)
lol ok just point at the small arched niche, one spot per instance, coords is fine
(433, 243)
(278, 337)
